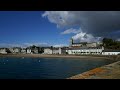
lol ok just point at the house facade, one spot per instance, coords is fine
(23, 50)
(56, 51)
(63, 50)
(111, 52)
(84, 44)
(3, 51)
(85, 51)
(28, 51)
(47, 51)
(16, 50)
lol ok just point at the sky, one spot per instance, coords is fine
(27, 28)
(24, 28)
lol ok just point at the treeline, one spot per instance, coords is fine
(109, 43)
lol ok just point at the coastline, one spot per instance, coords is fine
(111, 71)
(55, 56)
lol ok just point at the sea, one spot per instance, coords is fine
(46, 68)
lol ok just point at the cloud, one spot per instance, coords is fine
(84, 37)
(57, 17)
(36, 44)
(97, 23)
(60, 45)
(71, 30)
(81, 36)
(3, 45)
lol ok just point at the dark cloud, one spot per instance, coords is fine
(97, 23)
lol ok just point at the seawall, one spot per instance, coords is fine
(111, 71)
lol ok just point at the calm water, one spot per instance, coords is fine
(44, 68)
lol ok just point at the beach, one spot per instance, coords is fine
(55, 56)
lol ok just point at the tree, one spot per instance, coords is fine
(110, 43)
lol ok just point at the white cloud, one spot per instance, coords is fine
(84, 37)
(37, 44)
(9, 45)
(60, 45)
(22, 45)
(71, 30)
(81, 36)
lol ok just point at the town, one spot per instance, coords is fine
(82, 48)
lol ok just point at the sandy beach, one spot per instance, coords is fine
(53, 56)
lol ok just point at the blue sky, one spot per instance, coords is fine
(18, 27)
(24, 28)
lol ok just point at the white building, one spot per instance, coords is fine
(94, 44)
(3, 51)
(47, 51)
(56, 51)
(23, 50)
(85, 51)
(29, 51)
(16, 50)
(84, 44)
(60, 50)
(111, 52)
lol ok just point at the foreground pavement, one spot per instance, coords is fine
(111, 71)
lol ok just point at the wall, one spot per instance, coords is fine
(3, 51)
(47, 51)
(110, 53)
(85, 51)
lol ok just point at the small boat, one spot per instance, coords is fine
(22, 57)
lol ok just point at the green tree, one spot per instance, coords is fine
(110, 43)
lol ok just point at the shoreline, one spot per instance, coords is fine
(56, 56)
(103, 72)
(110, 71)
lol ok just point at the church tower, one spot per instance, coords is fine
(71, 41)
